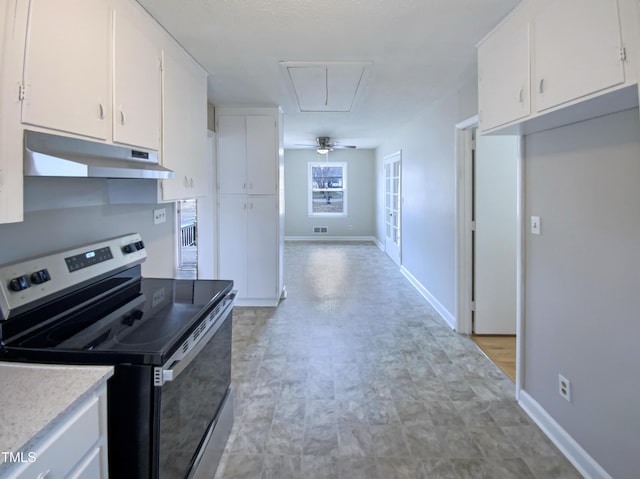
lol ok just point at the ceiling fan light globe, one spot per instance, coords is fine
(322, 151)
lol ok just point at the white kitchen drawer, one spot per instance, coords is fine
(89, 468)
(65, 446)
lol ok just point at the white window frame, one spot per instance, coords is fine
(310, 189)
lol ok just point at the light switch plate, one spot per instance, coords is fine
(535, 225)
(159, 216)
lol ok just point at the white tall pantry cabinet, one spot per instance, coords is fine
(251, 202)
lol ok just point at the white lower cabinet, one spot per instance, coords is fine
(76, 448)
(248, 246)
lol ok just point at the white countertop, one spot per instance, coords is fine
(34, 398)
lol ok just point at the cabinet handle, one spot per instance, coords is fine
(101, 108)
(244, 186)
(191, 182)
(541, 85)
(186, 182)
(250, 206)
(123, 118)
(244, 206)
(521, 95)
(43, 475)
(250, 186)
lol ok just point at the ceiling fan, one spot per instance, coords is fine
(324, 145)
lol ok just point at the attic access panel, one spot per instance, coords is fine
(329, 87)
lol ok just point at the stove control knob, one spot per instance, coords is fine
(130, 248)
(19, 283)
(137, 314)
(127, 319)
(139, 245)
(40, 277)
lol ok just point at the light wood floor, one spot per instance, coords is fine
(501, 350)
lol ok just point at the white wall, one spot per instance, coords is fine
(361, 191)
(582, 274)
(582, 317)
(428, 190)
(62, 213)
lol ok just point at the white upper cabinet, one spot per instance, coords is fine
(504, 92)
(184, 126)
(66, 69)
(555, 62)
(577, 50)
(232, 153)
(13, 25)
(247, 154)
(92, 68)
(262, 155)
(137, 81)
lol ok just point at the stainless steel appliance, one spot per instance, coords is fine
(169, 400)
(54, 155)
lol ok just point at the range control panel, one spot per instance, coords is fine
(34, 279)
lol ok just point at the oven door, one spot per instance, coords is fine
(192, 395)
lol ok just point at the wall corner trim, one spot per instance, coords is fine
(442, 311)
(582, 461)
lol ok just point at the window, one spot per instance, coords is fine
(327, 189)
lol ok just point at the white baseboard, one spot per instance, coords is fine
(329, 238)
(379, 244)
(582, 461)
(252, 303)
(446, 315)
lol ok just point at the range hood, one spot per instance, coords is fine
(52, 155)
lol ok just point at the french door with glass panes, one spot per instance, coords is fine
(392, 206)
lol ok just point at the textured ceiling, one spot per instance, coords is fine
(416, 50)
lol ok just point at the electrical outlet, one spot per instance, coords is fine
(159, 216)
(564, 387)
(158, 297)
(535, 225)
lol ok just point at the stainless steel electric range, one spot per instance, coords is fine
(169, 400)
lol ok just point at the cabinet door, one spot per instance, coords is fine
(576, 50)
(184, 126)
(262, 155)
(66, 70)
(503, 77)
(232, 241)
(232, 153)
(137, 89)
(13, 27)
(262, 247)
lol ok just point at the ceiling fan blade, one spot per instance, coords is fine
(343, 147)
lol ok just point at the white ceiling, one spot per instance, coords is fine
(416, 49)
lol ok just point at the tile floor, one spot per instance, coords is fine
(355, 375)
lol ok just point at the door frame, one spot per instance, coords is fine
(389, 159)
(464, 257)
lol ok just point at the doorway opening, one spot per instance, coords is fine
(489, 244)
(187, 239)
(393, 206)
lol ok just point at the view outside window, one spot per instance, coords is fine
(328, 188)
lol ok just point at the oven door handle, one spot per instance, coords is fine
(175, 365)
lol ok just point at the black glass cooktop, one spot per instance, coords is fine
(143, 322)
